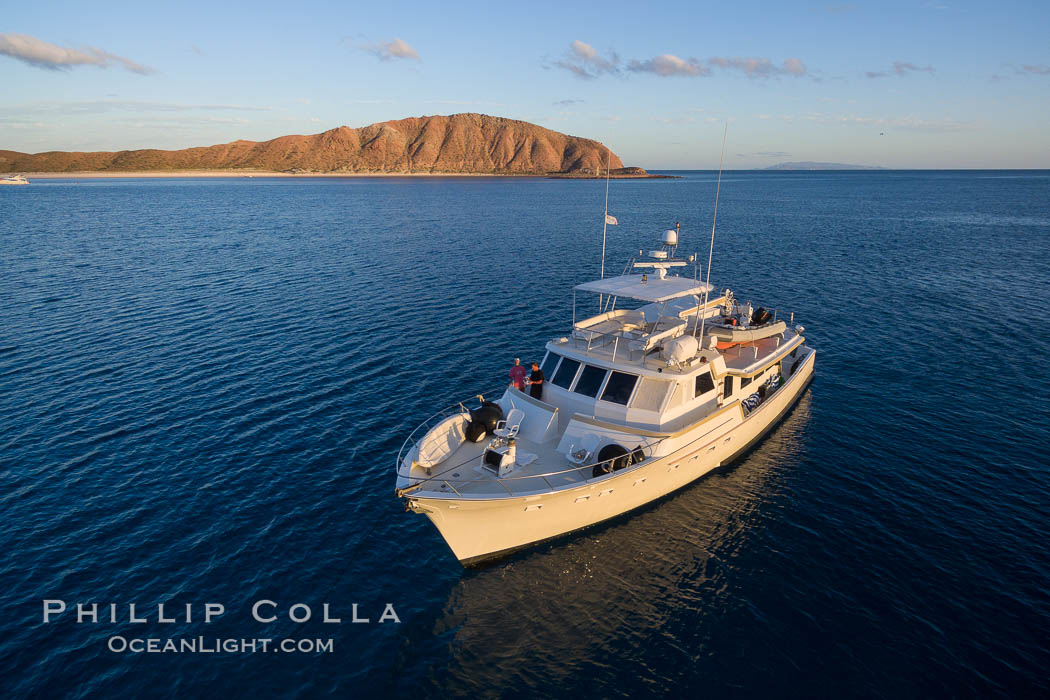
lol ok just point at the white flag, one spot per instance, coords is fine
(610, 219)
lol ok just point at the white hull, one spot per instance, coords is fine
(480, 528)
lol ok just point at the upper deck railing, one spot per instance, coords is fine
(418, 481)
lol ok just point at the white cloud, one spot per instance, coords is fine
(1036, 70)
(584, 61)
(583, 50)
(41, 54)
(390, 50)
(669, 65)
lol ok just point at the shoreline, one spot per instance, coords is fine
(248, 174)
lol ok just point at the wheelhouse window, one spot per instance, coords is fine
(566, 373)
(650, 394)
(744, 381)
(704, 384)
(549, 363)
(727, 388)
(590, 381)
(619, 388)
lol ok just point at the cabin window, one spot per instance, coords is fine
(549, 364)
(704, 384)
(566, 373)
(744, 381)
(650, 394)
(619, 388)
(727, 388)
(590, 381)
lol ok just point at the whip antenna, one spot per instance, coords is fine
(711, 250)
(605, 220)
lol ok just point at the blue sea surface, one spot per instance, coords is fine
(204, 384)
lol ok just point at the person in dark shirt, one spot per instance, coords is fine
(536, 382)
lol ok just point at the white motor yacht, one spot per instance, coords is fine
(636, 403)
(14, 180)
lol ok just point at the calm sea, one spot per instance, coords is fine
(204, 385)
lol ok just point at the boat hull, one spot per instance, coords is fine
(481, 529)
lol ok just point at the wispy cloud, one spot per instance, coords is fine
(41, 54)
(760, 67)
(900, 69)
(841, 8)
(101, 106)
(584, 61)
(391, 50)
(764, 154)
(467, 103)
(669, 65)
(907, 123)
(1035, 69)
(675, 120)
(566, 103)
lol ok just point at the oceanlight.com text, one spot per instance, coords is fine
(213, 645)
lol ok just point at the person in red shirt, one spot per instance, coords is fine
(517, 375)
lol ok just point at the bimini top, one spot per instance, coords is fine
(654, 288)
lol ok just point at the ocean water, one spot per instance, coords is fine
(204, 384)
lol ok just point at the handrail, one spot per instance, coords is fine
(440, 477)
(437, 417)
(649, 447)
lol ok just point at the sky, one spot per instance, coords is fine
(896, 83)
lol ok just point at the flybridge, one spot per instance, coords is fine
(645, 288)
(660, 287)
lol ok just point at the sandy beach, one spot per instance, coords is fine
(99, 175)
(240, 174)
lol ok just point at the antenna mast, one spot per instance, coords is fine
(605, 220)
(714, 220)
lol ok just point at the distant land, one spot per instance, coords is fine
(475, 144)
(810, 165)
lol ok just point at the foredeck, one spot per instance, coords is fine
(463, 474)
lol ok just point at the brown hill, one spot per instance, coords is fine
(460, 143)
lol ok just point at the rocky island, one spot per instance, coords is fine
(475, 144)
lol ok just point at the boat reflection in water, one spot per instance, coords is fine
(584, 603)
